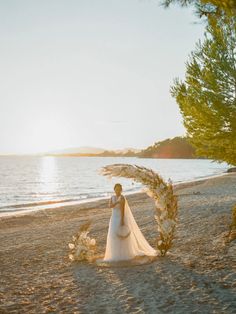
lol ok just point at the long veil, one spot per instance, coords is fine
(143, 245)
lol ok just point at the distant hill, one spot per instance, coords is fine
(78, 150)
(177, 147)
(94, 152)
(120, 153)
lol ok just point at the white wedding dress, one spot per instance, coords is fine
(123, 249)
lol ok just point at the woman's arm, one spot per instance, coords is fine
(122, 207)
(111, 204)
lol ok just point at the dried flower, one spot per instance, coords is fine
(71, 257)
(71, 246)
(92, 242)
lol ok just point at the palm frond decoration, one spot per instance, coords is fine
(166, 207)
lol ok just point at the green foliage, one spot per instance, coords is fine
(207, 7)
(207, 97)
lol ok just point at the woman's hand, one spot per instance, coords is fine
(111, 204)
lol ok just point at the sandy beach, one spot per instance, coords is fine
(197, 276)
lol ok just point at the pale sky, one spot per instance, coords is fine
(90, 73)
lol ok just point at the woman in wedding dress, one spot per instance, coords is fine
(131, 244)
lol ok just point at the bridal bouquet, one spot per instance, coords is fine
(123, 232)
(160, 191)
(82, 246)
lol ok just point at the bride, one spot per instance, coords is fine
(125, 240)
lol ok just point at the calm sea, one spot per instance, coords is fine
(28, 183)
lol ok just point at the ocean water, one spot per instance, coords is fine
(28, 183)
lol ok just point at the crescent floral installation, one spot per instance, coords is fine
(166, 205)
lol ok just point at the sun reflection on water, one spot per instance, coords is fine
(48, 175)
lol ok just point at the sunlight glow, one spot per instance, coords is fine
(48, 175)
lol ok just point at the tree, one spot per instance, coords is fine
(207, 7)
(207, 97)
(177, 147)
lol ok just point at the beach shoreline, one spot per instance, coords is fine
(58, 204)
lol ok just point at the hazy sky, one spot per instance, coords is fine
(90, 73)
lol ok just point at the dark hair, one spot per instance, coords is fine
(117, 185)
